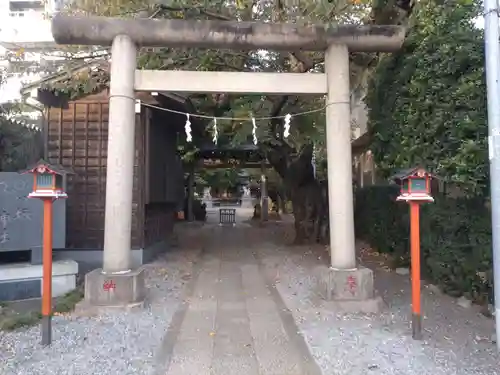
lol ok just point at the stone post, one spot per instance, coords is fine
(190, 197)
(350, 286)
(264, 201)
(246, 199)
(117, 284)
(207, 197)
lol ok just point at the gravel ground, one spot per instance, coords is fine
(457, 340)
(119, 343)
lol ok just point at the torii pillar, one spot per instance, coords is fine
(344, 281)
(117, 284)
(351, 286)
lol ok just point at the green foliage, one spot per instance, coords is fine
(428, 101)
(222, 179)
(77, 84)
(382, 221)
(19, 145)
(67, 302)
(15, 321)
(455, 238)
(301, 12)
(13, 317)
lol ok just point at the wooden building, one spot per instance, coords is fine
(76, 132)
(364, 168)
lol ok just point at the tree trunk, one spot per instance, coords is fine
(309, 197)
(284, 201)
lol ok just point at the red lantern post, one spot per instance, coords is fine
(48, 181)
(415, 190)
(416, 321)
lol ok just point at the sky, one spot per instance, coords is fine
(480, 22)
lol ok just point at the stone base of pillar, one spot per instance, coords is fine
(113, 291)
(352, 291)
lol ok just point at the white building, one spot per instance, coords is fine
(25, 43)
(26, 23)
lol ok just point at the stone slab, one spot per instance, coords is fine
(367, 306)
(90, 259)
(351, 290)
(19, 290)
(19, 281)
(115, 290)
(20, 217)
(36, 255)
(16, 271)
(273, 347)
(233, 347)
(85, 309)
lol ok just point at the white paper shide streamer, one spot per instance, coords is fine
(313, 160)
(216, 132)
(187, 129)
(254, 131)
(286, 132)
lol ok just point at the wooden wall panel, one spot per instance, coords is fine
(77, 138)
(165, 183)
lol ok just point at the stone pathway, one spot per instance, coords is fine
(456, 340)
(233, 320)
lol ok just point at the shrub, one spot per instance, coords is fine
(427, 101)
(455, 238)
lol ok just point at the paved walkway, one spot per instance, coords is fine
(233, 320)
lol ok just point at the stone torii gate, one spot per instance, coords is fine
(345, 282)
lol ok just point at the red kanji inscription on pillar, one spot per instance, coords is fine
(108, 285)
(352, 284)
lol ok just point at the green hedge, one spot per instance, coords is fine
(455, 238)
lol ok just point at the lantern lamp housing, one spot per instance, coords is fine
(48, 180)
(415, 185)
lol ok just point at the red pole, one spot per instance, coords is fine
(416, 322)
(47, 272)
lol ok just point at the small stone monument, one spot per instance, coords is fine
(207, 197)
(246, 199)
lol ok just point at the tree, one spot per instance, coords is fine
(20, 144)
(221, 180)
(290, 158)
(428, 101)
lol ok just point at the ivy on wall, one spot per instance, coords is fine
(428, 101)
(428, 107)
